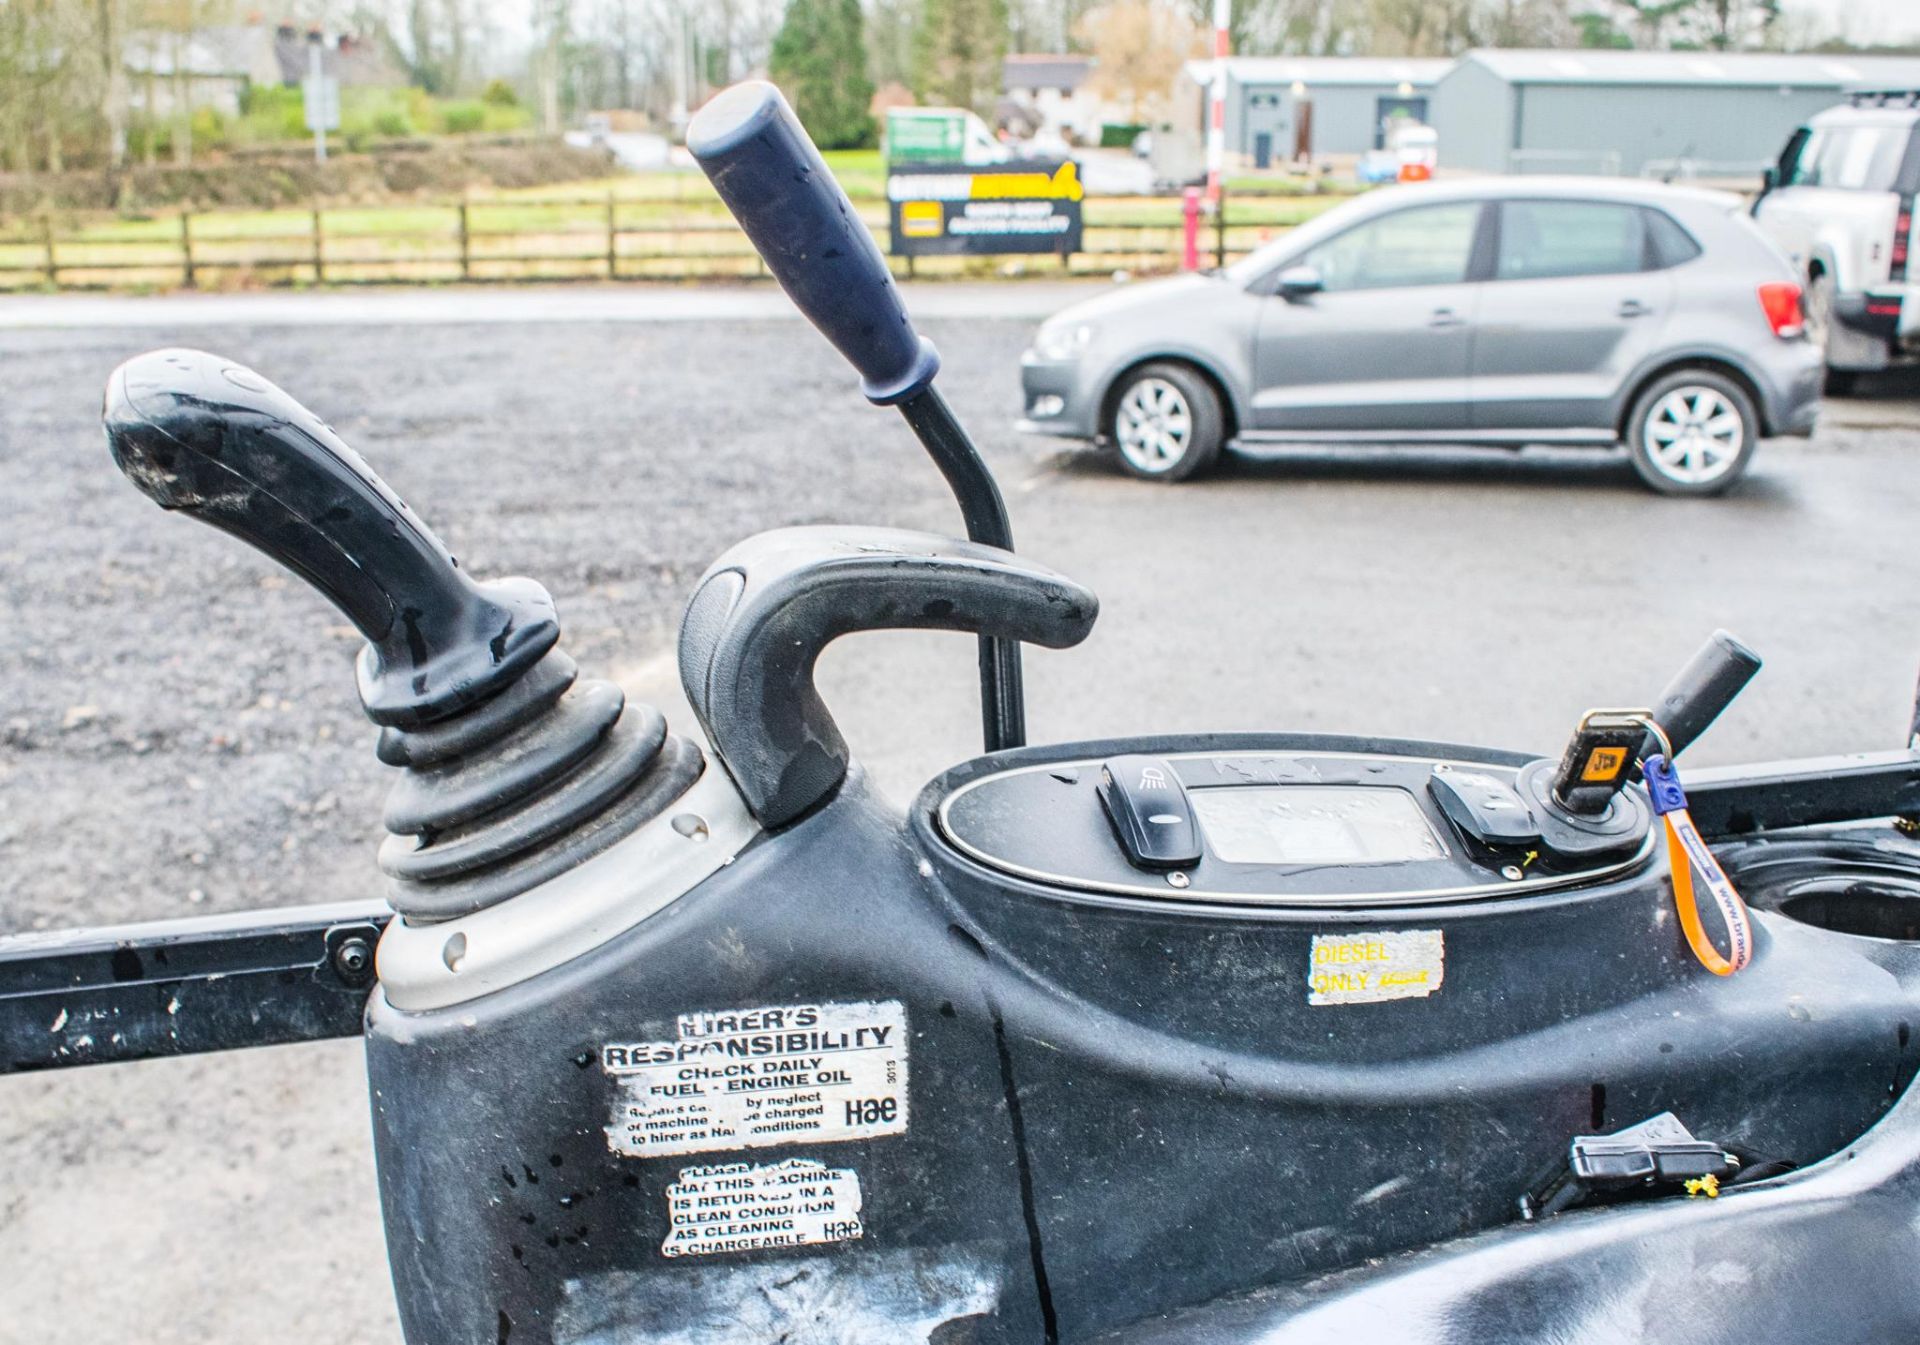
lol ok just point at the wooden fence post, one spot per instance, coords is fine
(319, 250)
(186, 248)
(613, 234)
(46, 237)
(466, 244)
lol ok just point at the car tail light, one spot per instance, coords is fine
(1780, 301)
(1902, 233)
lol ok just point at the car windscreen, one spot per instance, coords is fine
(1268, 257)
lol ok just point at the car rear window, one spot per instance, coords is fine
(1852, 158)
(1668, 244)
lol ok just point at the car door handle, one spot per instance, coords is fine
(1633, 308)
(1445, 317)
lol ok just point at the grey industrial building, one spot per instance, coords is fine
(1518, 111)
(1640, 112)
(1290, 107)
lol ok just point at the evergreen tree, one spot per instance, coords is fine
(957, 53)
(819, 60)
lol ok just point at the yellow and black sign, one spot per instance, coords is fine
(947, 209)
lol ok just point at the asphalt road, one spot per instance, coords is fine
(178, 732)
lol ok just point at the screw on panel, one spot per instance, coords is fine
(353, 960)
(1178, 879)
(1512, 873)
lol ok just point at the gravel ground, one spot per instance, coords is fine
(178, 732)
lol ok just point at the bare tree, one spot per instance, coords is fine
(1138, 48)
(33, 72)
(111, 36)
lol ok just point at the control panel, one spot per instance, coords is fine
(1288, 827)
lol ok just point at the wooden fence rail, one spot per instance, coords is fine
(655, 238)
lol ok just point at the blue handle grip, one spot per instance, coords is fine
(771, 177)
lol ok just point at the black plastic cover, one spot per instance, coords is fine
(1484, 807)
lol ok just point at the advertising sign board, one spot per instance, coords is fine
(955, 209)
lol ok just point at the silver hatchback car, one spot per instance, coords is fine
(1497, 312)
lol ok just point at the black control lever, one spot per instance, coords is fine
(215, 440)
(1913, 729)
(766, 609)
(513, 768)
(767, 171)
(1699, 692)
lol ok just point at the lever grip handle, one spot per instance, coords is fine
(771, 177)
(1701, 690)
(765, 610)
(214, 440)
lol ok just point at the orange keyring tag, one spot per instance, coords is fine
(1687, 852)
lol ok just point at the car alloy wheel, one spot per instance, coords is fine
(1694, 435)
(1153, 425)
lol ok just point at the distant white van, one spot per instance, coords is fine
(940, 135)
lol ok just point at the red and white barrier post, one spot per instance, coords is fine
(1217, 114)
(1190, 222)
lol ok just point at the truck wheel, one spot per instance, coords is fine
(1819, 320)
(1692, 432)
(1166, 423)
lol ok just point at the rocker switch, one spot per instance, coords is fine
(1150, 812)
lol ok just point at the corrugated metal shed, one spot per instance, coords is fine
(1352, 99)
(1687, 113)
(1326, 70)
(1764, 69)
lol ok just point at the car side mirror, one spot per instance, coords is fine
(1297, 282)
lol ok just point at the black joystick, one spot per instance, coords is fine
(508, 755)
(213, 439)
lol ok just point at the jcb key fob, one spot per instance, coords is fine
(1150, 812)
(1597, 760)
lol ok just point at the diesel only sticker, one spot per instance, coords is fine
(752, 1078)
(1368, 968)
(736, 1207)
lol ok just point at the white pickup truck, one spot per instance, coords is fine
(1840, 204)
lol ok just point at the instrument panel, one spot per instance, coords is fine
(1313, 828)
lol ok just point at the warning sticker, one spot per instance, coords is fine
(752, 1078)
(1368, 968)
(737, 1207)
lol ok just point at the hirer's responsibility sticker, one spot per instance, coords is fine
(752, 1078)
(739, 1207)
(1367, 968)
